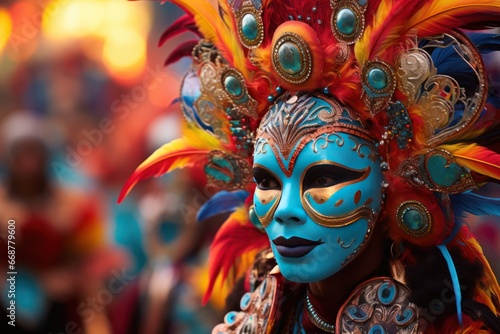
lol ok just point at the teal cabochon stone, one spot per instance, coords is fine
(377, 78)
(233, 85)
(442, 173)
(249, 27)
(413, 220)
(290, 58)
(346, 21)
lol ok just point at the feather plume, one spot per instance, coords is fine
(475, 204)
(183, 50)
(228, 249)
(222, 202)
(436, 17)
(477, 158)
(385, 18)
(395, 20)
(189, 151)
(181, 25)
(219, 30)
(489, 286)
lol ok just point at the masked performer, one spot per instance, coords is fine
(362, 131)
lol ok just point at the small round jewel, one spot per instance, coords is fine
(233, 85)
(249, 27)
(290, 58)
(346, 21)
(414, 220)
(377, 78)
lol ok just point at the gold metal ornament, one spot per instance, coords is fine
(291, 58)
(250, 25)
(379, 83)
(347, 20)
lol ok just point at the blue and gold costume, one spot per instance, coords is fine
(361, 131)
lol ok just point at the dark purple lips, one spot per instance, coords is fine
(295, 247)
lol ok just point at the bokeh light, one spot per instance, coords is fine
(110, 32)
(5, 28)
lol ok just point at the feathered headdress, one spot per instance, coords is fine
(412, 70)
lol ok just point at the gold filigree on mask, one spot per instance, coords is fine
(340, 220)
(294, 120)
(265, 197)
(321, 195)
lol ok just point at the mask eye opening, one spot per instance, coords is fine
(265, 180)
(327, 175)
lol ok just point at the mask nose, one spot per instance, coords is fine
(290, 210)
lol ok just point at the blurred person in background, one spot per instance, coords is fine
(61, 258)
(165, 297)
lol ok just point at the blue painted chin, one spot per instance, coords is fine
(319, 216)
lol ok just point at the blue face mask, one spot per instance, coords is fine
(318, 186)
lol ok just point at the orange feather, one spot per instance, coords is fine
(488, 288)
(476, 158)
(395, 20)
(218, 30)
(189, 151)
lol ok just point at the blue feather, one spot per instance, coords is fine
(220, 203)
(454, 280)
(449, 62)
(470, 203)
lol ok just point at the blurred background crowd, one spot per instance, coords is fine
(84, 99)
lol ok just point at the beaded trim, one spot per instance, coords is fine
(316, 319)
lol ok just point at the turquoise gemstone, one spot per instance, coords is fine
(346, 21)
(387, 293)
(230, 318)
(377, 78)
(290, 58)
(442, 172)
(233, 86)
(245, 300)
(249, 27)
(377, 329)
(413, 220)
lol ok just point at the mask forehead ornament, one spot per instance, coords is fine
(295, 119)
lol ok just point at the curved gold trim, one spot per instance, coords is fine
(323, 194)
(268, 217)
(339, 221)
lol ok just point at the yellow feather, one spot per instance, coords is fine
(363, 46)
(192, 149)
(476, 158)
(493, 287)
(219, 32)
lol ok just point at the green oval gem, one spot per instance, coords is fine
(346, 21)
(233, 86)
(442, 172)
(290, 58)
(249, 27)
(413, 220)
(377, 78)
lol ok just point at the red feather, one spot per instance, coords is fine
(181, 25)
(395, 20)
(476, 158)
(191, 150)
(183, 50)
(236, 237)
